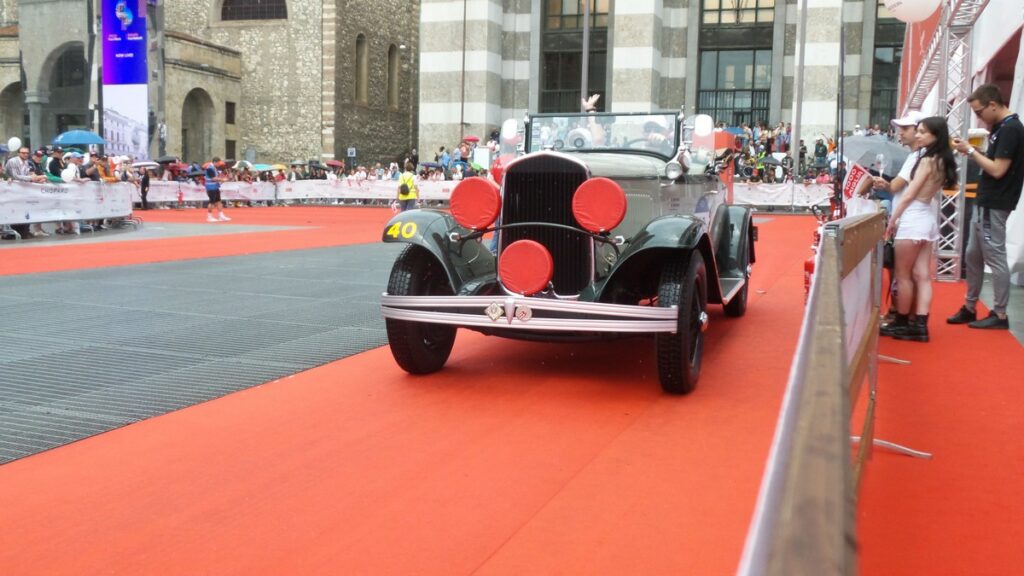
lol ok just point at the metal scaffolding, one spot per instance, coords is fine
(948, 63)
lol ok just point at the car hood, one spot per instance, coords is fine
(621, 165)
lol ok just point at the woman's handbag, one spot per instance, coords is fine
(888, 255)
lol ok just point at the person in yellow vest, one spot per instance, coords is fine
(407, 191)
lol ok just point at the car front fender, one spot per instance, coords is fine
(639, 265)
(467, 263)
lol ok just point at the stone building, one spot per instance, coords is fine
(736, 60)
(266, 80)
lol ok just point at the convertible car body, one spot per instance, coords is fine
(607, 226)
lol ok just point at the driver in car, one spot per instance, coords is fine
(658, 135)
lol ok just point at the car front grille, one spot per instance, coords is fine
(540, 189)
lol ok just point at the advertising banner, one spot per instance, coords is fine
(360, 189)
(164, 191)
(787, 194)
(25, 203)
(125, 78)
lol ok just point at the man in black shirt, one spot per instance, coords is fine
(1002, 176)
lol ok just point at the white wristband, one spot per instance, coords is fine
(970, 151)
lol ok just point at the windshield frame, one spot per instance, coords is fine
(604, 119)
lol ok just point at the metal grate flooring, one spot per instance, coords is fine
(87, 351)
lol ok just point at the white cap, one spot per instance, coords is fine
(912, 118)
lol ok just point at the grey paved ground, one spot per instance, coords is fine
(88, 351)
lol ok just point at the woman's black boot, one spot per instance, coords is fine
(916, 331)
(897, 327)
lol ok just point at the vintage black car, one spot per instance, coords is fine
(606, 227)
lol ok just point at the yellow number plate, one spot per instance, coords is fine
(402, 229)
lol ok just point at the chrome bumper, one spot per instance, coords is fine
(520, 313)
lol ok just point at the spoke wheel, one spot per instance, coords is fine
(683, 284)
(419, 347)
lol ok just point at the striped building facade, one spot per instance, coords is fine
(737, 60)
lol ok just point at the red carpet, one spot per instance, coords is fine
(962, 399)
(325, 227)
(518, 458)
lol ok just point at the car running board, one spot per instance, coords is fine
(731, 287)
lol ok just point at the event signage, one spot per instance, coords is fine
(854, 179)
(125, 78)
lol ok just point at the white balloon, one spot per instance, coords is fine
(912, 10)
(14, 143)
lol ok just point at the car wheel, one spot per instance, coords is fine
(683, 284)
(419, 347)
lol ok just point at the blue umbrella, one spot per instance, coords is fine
(79, 137)
(734, 130)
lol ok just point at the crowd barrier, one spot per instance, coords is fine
(164, 191)
(788, 194)
(805, 515)
(24, 203)
(52, 202)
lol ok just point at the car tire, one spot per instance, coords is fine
(419, 347)
(683, 284)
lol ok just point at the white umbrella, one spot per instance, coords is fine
(145, 164)
(242, 164)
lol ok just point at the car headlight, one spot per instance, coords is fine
(673, 170)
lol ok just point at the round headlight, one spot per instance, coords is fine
(673, 170)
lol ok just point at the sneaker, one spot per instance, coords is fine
(991, 322)
(224, 218)
(962, 316)
(210, 218)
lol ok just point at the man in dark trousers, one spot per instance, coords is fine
(213, 180)
(1002, 176)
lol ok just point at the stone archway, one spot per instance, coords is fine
(197, 126)
(12, 112)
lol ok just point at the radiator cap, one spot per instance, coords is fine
(475, 203)
(525, 267)
(599, 205)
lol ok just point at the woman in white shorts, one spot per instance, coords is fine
(914, 227)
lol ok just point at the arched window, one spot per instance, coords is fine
(393, 76)
(362, 71)
(253, 10)
(70, 69)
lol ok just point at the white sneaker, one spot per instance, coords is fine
(224, 218)
(210, 218)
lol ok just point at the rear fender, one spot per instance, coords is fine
(734, 240)
(639, 266)
(463, 260)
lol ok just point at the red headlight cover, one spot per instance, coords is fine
(599, 205)
(475, 203)
(526, 267)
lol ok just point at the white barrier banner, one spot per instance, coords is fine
(360, 189)
(168, 190)
(251, 191)
(787, 194)
(23, 203)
